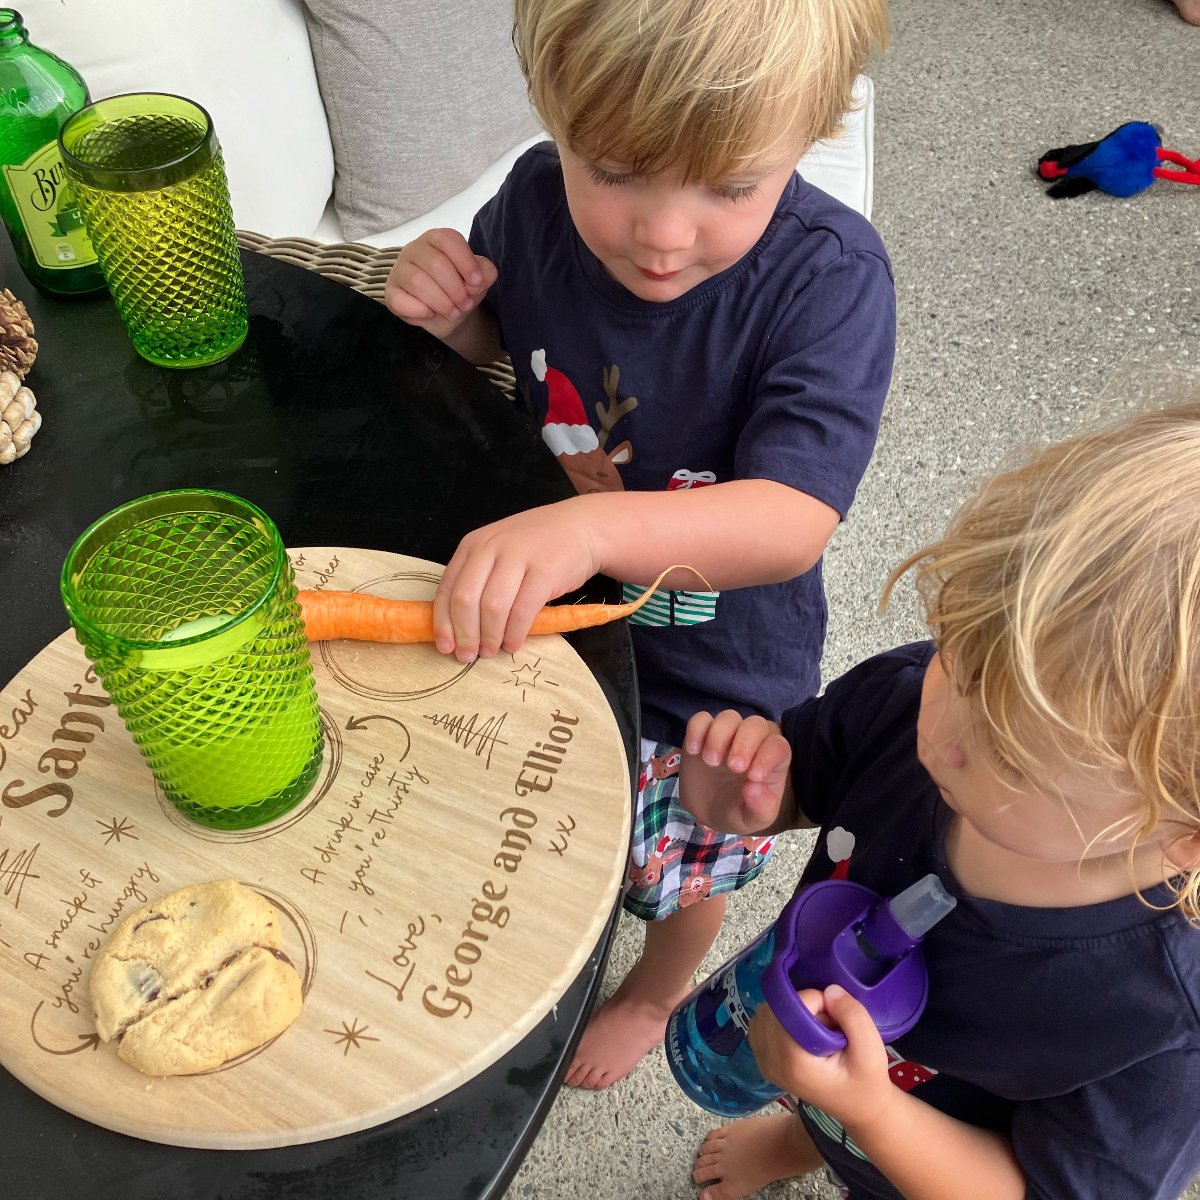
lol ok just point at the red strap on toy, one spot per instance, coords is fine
(1189, 174)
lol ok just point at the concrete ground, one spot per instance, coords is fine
(1021, 319)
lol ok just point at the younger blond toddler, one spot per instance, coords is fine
(1042, 756)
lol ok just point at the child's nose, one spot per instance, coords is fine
(664, 228)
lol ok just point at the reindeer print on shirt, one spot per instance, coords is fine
(567, 431)
(581, 452)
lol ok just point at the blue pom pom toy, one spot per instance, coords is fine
(1124, 163)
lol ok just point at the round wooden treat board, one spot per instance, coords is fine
(439, 889)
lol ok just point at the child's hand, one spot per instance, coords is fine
(851, 1085)
(438, 281)
(734, 771)
(503, 573)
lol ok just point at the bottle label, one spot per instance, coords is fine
(49, 210)
(724, 1008)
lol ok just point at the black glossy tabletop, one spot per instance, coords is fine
(349, 428)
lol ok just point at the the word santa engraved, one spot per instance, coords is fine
(63, 761)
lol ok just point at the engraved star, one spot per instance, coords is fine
(117, 828)
(525, 676)
(351, 1035)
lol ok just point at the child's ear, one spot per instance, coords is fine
(1183, 852)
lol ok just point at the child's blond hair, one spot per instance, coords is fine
(701, 86)
(1065, 599)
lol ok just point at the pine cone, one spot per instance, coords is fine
(17, 346)
(19, 418)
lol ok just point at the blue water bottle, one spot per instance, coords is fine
(832, 932)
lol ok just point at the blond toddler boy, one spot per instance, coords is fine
(705, 341)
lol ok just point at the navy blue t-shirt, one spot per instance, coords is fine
(776, 368)
(1074, 1030)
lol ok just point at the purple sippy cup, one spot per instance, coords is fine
(832, 932)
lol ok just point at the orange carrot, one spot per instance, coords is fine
(362, 617)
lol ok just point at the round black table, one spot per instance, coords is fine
(349, 428)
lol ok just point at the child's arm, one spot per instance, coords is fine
(735, 534)
(735, 777)
(924, 1153)
(439, 283)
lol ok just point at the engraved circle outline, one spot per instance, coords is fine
(340, 673)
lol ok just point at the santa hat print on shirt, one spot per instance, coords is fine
(565, 429)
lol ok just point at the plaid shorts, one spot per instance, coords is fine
(674, 861)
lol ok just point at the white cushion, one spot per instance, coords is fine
(842, 166)
(247, 62)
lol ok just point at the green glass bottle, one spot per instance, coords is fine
(38, 92)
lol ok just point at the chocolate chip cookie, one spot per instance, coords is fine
(195, 979)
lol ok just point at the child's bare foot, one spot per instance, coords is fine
(738, 1159)
(616, 1039)
(635, 1018)
(1189, 10)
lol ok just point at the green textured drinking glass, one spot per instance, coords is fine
(185, 602)
(148, 175)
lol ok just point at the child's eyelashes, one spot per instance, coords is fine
(1008, 771)
(735, 192)
(607, 177)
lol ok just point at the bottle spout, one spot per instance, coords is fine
(921, 906)
(894, 927)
